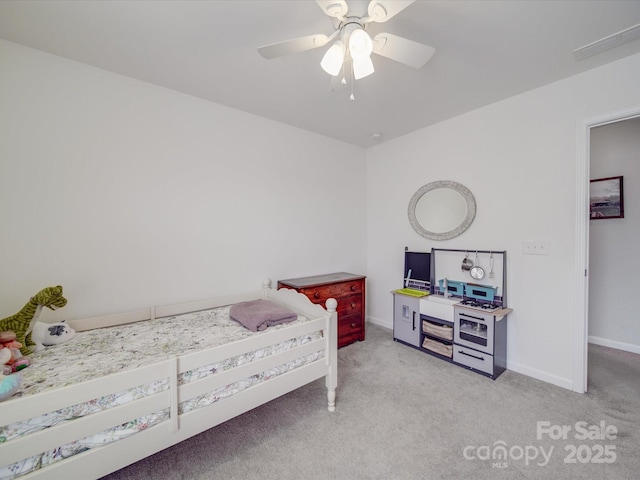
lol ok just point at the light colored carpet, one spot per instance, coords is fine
(402, 414)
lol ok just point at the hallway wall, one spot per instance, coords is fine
(614, 257)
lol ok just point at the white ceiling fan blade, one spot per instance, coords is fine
(334, 8)
(402, 50)
(293, 46)
(381, 10)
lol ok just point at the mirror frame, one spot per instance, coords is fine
(466, 222)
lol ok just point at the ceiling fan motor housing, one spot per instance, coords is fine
(348, 26)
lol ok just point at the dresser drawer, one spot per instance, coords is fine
(474, 359)
(349, 305)
(323, 292)
(350, 329)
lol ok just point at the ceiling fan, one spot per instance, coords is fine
(352, 45)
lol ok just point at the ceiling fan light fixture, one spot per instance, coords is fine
(360, 44)
(362, 67)
(333, 58)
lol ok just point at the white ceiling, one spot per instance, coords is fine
(485, 51)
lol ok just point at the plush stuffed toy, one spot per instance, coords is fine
(10, 354)
(50, 297)
(51, 334)
(9, 384)
(5, 359)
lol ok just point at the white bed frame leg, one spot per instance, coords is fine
(331, 396)
(332, 338)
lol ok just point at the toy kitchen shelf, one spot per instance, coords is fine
(462, 317)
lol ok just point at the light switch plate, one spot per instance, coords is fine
(535, 247)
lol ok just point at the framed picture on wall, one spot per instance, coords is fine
(606, 198)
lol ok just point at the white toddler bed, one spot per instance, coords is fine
(75, 423)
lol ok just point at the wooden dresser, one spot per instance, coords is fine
(349, 291)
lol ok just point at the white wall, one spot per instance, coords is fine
(614, 258)
(518, 157)
(131, 195)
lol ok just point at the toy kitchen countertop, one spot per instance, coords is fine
(495, 310)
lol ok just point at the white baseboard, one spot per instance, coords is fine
(627, 347)
(540, 375)
(383, 323)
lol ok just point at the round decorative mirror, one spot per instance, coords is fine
(442, 210)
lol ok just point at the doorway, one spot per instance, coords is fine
(582, 238)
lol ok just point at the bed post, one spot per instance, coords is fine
(332, 377)
(266, 286)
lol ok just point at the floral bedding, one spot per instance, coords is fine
(96, 353)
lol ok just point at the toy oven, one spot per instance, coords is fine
(473, 330)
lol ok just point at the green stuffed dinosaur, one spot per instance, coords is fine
(21, 322)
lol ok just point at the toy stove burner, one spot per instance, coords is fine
(486, 306)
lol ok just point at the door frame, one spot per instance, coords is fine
(583, 159)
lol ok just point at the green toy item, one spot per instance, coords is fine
(22, 322)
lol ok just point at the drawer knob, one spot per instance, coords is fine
(353, 288)
(353, 325)
(353, 305)
(316, 295)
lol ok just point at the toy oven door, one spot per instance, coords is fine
(474, 330)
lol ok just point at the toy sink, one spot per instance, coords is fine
(454, 287)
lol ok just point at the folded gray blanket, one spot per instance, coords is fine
(257, 315)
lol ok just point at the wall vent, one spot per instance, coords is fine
(607, 43)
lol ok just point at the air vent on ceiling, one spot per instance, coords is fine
(606, 43)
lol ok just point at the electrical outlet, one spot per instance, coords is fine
(536, 247)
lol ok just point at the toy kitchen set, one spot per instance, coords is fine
(453, 305)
